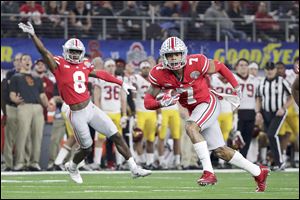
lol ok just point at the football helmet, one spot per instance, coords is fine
(236, 140)
(173, 45)
(137, 134)
(144, 64)
(73, 51)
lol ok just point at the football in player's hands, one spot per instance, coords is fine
(137, 135)
(170, 92)
(168, 98)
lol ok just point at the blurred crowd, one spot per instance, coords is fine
(83, 19)
(157, 138)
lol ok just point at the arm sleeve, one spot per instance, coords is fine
(226, 73)
(153, 80)
(150, 102)
(204, 63)
(107, 77)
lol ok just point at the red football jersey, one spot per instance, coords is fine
(193, 88)
(72, 80)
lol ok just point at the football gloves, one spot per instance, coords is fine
(124, 121)
(26, 28)
(127, 87)
(167, 99)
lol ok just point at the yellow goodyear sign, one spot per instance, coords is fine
(271, 52)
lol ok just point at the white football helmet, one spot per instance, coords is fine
(144, 64)
(74, 51)
(173, 45)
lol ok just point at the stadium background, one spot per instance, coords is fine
(133, 31)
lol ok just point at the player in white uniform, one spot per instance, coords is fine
(112, 100)
(221, 85)
(171, 120)
(246, 111)
(146, 120)
(259, 142)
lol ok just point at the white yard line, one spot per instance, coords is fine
(127, 172)
(32, 181)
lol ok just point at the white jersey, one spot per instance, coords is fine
(110, 101)
(142, 86)
(290, 78)
(222, 87)
(249, 88)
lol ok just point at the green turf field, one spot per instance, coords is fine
(163, 185)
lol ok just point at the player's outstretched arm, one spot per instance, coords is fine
(47, 56)
(110, 78)
(217, 66)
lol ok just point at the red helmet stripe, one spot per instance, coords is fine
(76, 43)
(172, 43)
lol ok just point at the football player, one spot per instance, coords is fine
(221, 85)
(105, 95)
(246, 112)
(291, 122)
(146, 120)
(185, 73)
(71, 73)
(170, 119)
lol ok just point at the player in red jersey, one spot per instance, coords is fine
(186, 74)
(71, 72)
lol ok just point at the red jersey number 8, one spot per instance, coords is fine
(79, 82)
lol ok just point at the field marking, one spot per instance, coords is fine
(172, 190)
(128, 172)
(119, 191)
(33, 181)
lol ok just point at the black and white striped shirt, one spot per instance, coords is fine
(273, 93)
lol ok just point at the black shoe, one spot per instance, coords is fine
(7, 169)
(194, 167)
(34, 167)
(295, 164)
(277, 168)
(151, 167)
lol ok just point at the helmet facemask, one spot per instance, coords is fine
(74, 56)
(175, 64)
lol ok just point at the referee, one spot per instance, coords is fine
(273, 99)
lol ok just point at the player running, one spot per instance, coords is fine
(185, 74)
(71, 72)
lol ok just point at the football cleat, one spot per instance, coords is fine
(261, 179)
(74, 173)
(207, 178)
(140, 172)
